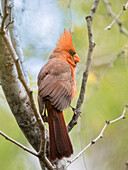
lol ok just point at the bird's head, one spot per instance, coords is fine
(65, 45)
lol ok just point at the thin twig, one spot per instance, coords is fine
(9, 24)
(4, 17)
(109, 27)
(112, 14)
(101, 133)
(15, 39)
(80, 100)
(18, 144)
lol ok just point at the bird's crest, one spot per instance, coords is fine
(65, 41)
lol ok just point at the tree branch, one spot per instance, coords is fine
(108, 122)
(15, 40)
(17, 98)
(112, 14)
(18, 144)
(5, 15)
(80, 100)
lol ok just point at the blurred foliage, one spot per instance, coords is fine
(107, 93)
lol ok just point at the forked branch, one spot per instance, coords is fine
(112, 14)
(108, 122)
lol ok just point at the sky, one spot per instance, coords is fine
(39, 24)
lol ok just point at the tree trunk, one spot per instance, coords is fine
(17, 98)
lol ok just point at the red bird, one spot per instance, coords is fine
(56, 89)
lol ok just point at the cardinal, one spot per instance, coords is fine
(56, 89)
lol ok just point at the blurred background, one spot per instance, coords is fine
(40, 24)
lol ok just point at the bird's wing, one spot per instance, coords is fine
(55, 83)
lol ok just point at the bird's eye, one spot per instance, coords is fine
(71, 53)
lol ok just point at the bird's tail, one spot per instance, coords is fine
(60, 144)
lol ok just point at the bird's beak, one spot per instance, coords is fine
(76, 58)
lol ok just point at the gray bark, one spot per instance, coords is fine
(17, 98)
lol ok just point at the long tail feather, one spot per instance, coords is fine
(60, 144)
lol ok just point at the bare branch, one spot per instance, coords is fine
(13, 33)
(11, 26)
(112, 14)
(17, 98)
(89, 20)
(4, 17)
(108, 122)
(15, 39)
(18, 144)
(109, 27)
(11, 22)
